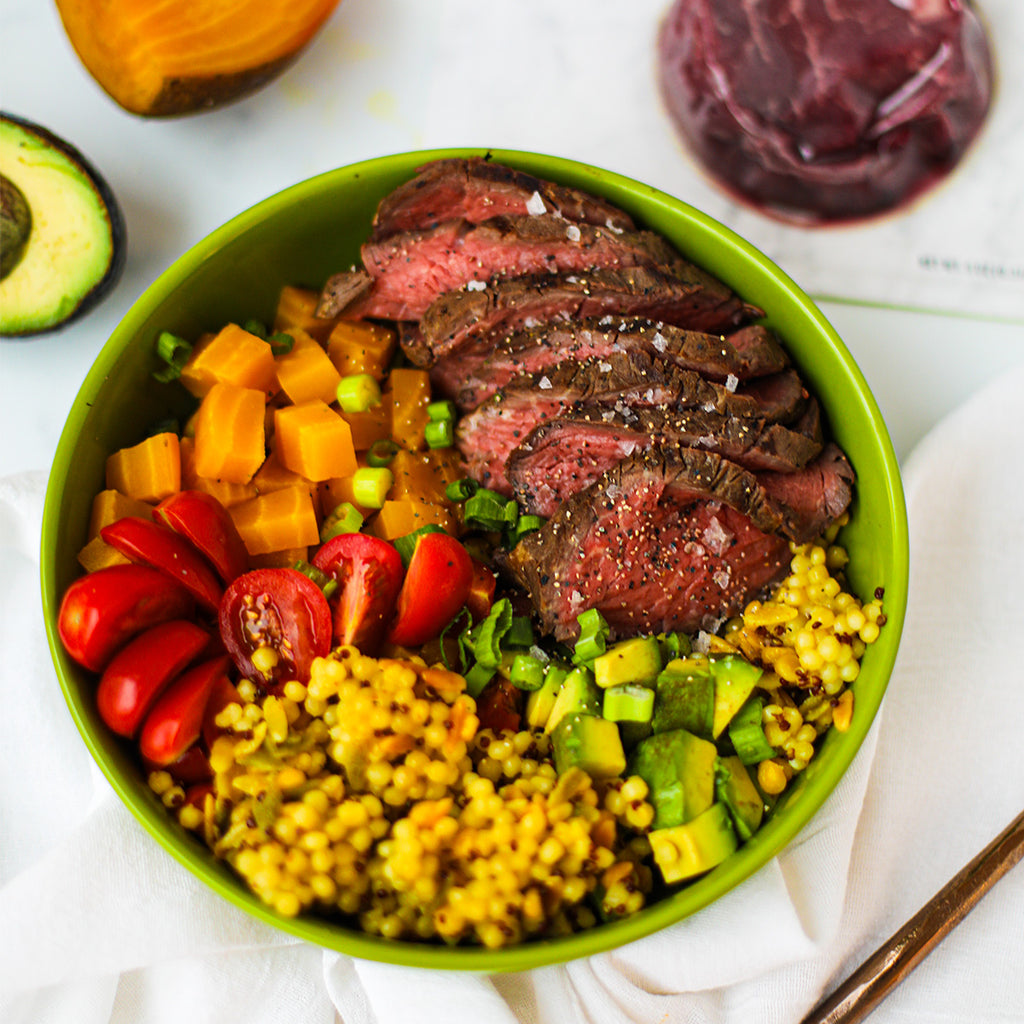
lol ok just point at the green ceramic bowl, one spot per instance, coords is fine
(300, 236)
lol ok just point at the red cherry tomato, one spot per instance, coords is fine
(500, 706)
(206, 523)
(481, 590)
(169, 552)
(175, 721)
(369, 574)
(101, 611)
(140, 671)
(224, 693)
(435, 588)
(282, 612)
(192, 767)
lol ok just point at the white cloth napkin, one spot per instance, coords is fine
(98, 924)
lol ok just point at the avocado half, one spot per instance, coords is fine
(63, 240)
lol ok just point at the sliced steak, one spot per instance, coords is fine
(669, 539)
(475, 371)
(567, 454)
(487, 435)
(478, 189)
(341, 291)
(687, 297)
(412, 268)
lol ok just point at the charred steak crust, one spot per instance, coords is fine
(471, 374)
(566, 454)
(657, 541)
(687, 297)
(477, 189)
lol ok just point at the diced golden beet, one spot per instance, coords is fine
(337, 490)
(405, 515)
(98, 554)
(108, 506)
(408, 395)
(305, 372)
(277, 521)
(372, 425)
(416, 477)
(227, 494)
(272, 476)
(296, 307)
(229, 433)
(314, 441)
(447, 463)
(232, 356)
(149, 471)
(356, 346)
(286, 559)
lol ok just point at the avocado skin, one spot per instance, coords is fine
(118, 229)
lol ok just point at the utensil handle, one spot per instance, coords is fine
(856, 997)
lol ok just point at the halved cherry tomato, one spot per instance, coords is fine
(138, 673)
(369, 574)
(500, 706)
(160, 547)
(176, 719)
(224, 693)
(481, 590)
(101, 611)
(190, 768)
(282, 614)
(435, 588)
(207, 524)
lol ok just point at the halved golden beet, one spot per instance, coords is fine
(157, 59)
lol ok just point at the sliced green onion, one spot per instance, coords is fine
(439, 411)
(257, 327)
(478, 677)
(460, 490)
(593, 636)
(527, 524)
(673, 645)
(328, 584)
(439, 433)
(345, 518)
(486, 510)
(405, 546)
(174, 352)
(487, 635)
(370, 485)
(281, 343)
(462, 622)
(511, 516)
(381, 452)
(527, 672)
(520, 632)
(358, 392)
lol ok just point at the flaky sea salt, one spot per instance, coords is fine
(572, 232)
(535, 205)
(475, 286)
(659, 342)
(731, 382)
(544, 383)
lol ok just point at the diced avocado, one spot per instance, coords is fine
(686, 851)
(63, 233)
(747, 734)
(685, 697)
(578, 693)
(735, 789)
(735, 679)
(589, 743)
(540, 703)
(630, 661)
(679, 769)
(673, 645)
(631, 705)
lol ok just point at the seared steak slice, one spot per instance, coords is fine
(411, 269)
(567, 454)
(686, 297)
(341, 291)
(487, 435)
(668, 539)
(475, 371)
(478, 189)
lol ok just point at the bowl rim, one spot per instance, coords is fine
(751, 858)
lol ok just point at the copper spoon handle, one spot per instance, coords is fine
(903, 951)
